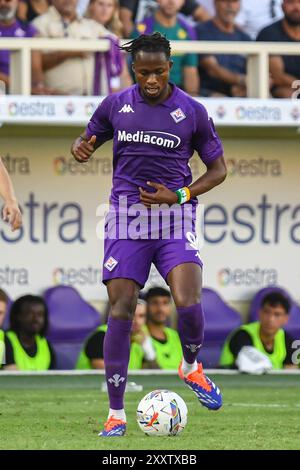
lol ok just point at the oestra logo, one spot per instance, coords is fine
(16, 165)
(254, 167)
(68, 166)
(77, 276)
(258, 113)
(33, 108)
(10, 276)
(257, 277)
(161, 139)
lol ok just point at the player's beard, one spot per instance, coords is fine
(292, 20)
(7, 14)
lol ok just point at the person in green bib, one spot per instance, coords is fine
(3, 306)
(174, 26)
(26, 347)
(142, 353)
(165, 340)
(266, 335)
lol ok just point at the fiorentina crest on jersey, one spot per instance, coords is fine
(178, 115)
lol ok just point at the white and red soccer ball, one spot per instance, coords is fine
(162, 413)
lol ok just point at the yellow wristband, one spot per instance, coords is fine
(188, 193)
(183, 194)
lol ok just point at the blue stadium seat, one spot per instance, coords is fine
(220, 320)
(71, 320)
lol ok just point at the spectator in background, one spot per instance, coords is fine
(3, 306)
(223, 74)
(74, 72)
(134, 11)
(30, 9)
(254, 15)
(285, 70)
(165, 340)
(166, 21)
(142, 353)
(209, 6)
(265, 335)
(11, 27)
(106, 13)
(26, 347)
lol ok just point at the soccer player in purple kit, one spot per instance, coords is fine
(155, 128)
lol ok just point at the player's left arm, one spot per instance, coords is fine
(216, 173)
(208, 145)
(11, 212)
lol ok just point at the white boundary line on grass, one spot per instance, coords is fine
(143, 372)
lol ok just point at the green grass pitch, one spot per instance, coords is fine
(66, 412)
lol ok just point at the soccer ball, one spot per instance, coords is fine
(162, 413)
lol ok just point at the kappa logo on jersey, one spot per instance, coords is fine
(126, 109)
(178, 115)
(111, 263)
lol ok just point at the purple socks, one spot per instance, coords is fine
(116, 358)
(191, 330)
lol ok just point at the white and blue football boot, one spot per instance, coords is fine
(208, 394)
(113, 428)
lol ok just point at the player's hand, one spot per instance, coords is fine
(162, 195)
(82, 149)
(11, 213)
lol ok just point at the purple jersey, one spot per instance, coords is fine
(14, 30)
(153, 143)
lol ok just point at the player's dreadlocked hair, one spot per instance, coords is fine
(155, 42)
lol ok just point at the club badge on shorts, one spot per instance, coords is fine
(111, 263)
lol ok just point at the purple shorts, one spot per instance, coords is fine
(164, 238)
(131, 259)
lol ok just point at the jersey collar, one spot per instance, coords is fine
(168, 103)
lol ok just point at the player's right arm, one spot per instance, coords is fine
(83, 148)
(98, 131)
